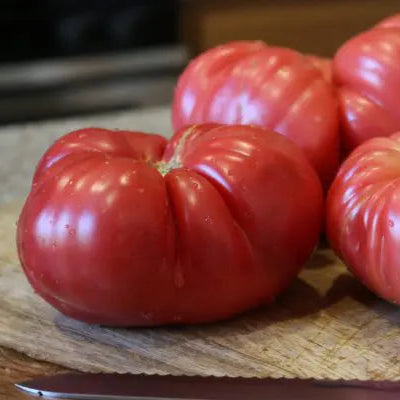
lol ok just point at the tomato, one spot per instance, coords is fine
(277, 88)
(363, 215)
(367, 73)
(324, 65)
(123, 228)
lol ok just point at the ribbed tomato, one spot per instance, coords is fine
(278, 88)
(367, 73)
(363, 215)
(123, 228)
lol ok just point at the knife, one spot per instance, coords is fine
(152, 387)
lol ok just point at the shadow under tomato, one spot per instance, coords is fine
(300, 300)
(348, 286)
(323, 257)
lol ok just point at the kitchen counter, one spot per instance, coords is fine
(21, 146)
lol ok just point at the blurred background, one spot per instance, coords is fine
(69, 57)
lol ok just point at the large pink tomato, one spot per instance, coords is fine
(277, 88)
(126, 229)
(367, 73)
(363, 215)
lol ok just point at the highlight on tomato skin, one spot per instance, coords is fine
(249, 82)
(367, 76)
(363, 215)
(124, 228)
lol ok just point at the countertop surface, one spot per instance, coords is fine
(21, 146)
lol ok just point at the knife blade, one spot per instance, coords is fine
(152, 387)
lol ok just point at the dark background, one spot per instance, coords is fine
(54, 28)
(67, 57)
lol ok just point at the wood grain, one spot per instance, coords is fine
(16, 367)
(326, 325)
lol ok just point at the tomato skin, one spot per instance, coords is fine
(367, 75)
(280, 89)
(363, 215)
(122, 228)
(324, 65)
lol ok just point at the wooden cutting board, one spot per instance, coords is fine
(326, 325)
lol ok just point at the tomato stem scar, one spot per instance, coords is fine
(175, 161)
